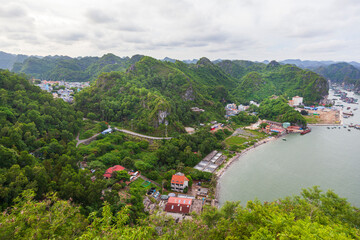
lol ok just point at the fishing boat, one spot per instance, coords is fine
(348, 113)
(306, 131)
(284, 139)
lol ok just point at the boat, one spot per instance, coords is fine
(284, 139)
(306, 131)
(348, 108)
(349, 130)
(328, 127)
(348, 113)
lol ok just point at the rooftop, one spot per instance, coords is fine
(109, 171)
(178, 179)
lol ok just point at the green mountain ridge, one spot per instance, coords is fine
(341, 73)
(259, 81)
(151, 91)
(57, 68)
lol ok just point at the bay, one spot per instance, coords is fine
(329, 158)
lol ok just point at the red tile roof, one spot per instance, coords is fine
(179, 179)
(186, 201)
(178, 205)
(109, 172)
(177, 208)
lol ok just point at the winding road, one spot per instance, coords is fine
(90, 139)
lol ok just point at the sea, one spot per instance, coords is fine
(326, 157)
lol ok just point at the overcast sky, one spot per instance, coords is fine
(242, 29)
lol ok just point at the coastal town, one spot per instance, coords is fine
(61, 89)
(184, 195)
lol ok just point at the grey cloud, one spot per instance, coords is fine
(97, 16)
(66, 36)
(12, 12)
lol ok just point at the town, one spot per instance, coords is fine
(61, 89)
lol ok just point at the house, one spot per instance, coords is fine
(179, 182)
(297, 100)
(254, 103)
(178, 205)
(110, 171)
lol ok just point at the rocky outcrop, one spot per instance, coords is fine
(162, 116)
(189, 94)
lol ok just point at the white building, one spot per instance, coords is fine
(241, 108)
(297, 101)
(179, 182)
(254, 103)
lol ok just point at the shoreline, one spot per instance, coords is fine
(221, 172)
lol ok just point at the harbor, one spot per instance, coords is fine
(327, 157)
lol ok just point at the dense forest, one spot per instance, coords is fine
(258, 81)
(151, 92)
(341, 73)
(49, 188)
(38, 153)
(312, 215)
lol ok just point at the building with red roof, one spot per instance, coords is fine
(179, 182)
(178, 205)
(109, 171)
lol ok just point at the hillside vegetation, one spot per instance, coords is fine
(312, 215)
(258, 81)
(341, 73)
(151, 92)
(57, 68)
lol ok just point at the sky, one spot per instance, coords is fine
(254, 30)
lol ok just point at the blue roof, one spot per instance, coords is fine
(109, 130)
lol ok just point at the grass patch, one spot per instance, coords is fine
(235, 140)
(137, 184)
(311, 119)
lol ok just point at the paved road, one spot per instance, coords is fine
(88, 140)
(141, 135)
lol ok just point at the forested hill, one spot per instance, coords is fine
(7, 60)
(152, 91)
(258, 81)
(341, 73)
(58, 68)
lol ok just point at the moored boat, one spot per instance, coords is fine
(306, 131)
